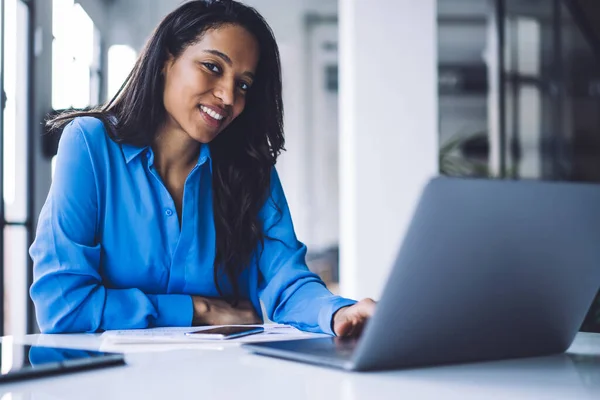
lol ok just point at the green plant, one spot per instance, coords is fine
(453, 163)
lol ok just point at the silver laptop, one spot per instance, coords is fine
(488, 270)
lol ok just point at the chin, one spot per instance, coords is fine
(204, 140)
(204, 137)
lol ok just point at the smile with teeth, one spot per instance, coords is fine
(212, 113)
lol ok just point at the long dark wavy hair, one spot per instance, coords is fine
(243, 154)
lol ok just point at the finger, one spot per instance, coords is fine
(251, 317)
(355, 327)
(245, 304)
(352, 330)
(366, 307)
(342, 328)
(359, 326)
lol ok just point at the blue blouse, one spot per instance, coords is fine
(110, 254)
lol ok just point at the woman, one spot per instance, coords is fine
(166, 208)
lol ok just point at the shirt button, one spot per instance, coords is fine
(168, 212)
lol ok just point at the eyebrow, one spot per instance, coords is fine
(226, 58)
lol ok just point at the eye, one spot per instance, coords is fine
(244, 86)
(212, 67)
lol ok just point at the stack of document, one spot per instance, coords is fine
(176, 337)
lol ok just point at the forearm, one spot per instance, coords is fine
(63, 307)
(215, 311)
(308, 305)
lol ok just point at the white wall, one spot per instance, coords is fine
(388, 135)
(132, 21)
(98, 12)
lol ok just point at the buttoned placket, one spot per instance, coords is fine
(179, 236)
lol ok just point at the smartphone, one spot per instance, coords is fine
(226, 332)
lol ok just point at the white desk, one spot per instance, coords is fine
(229, 372)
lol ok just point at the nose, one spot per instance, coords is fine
(225, 91)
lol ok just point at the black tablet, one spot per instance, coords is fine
(24, 361)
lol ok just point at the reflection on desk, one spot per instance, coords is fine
(566, 376)
(43, 355)
(235, 373)
(24, 361)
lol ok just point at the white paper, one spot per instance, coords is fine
(170, 335)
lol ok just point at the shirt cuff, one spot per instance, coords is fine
(326, 313)
(173, 309)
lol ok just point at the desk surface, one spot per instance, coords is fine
(227, 371)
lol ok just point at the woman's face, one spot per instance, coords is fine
(206, 86)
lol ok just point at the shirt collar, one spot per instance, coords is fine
(204, 155)
(130, 152)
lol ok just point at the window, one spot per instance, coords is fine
(14, 144)
(121, 60)
(76, 64)
(466, 94)
(75, 57)
(518, 89)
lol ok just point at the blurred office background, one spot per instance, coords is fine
(379, 96)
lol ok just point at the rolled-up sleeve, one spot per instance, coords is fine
(291, 293)
(67, 287)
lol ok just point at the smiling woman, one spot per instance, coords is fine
(205, 88)
(166, 208)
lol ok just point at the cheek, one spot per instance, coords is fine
(239, 107)
(172, 101)
(184, 86)
(173, 97)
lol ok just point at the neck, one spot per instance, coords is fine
(175, 150)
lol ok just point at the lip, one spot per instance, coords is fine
(210, 120)
(218, 110)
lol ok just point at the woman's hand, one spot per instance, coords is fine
(349, 321)
(211, 311)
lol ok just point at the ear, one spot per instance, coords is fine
(168, 64)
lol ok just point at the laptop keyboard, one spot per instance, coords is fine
(330, 348)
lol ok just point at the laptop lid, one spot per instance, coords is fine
(488, 269)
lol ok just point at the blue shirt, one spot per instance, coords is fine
(110, 254)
